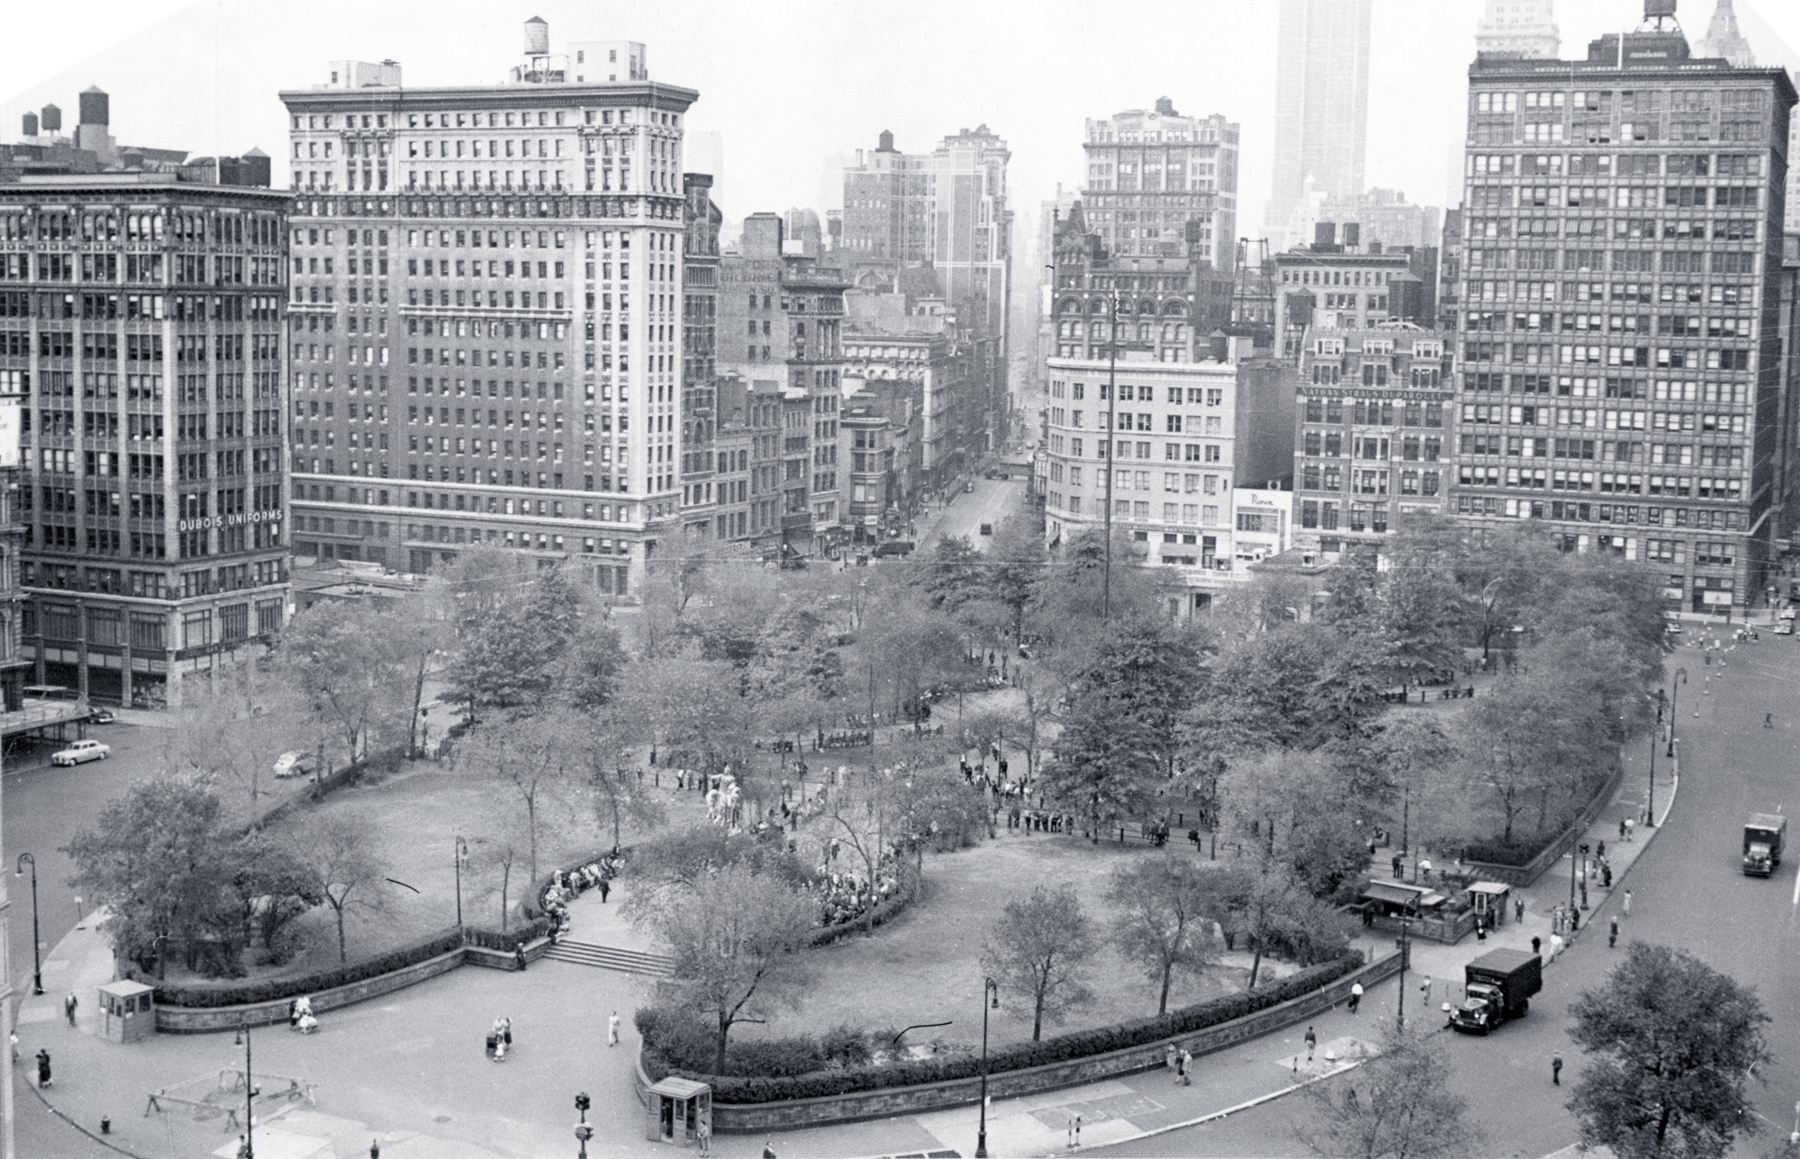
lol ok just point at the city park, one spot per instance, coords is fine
(842, 813)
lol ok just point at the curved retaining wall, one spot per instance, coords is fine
(210, 1019)
(798, 1113)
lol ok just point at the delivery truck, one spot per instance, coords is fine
(1762, 843)
(1497, 986)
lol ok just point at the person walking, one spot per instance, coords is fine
(703, 1134)
(1768, 720)
(519, 956)
(1480, 930)
(1556, 1068)
(612, 1029)
(1621, 829)
(69, 1005)
(1312, 1043)
(1169, 1058)
(1518, 909)
(1180, 1073)
(769, 1150)
(1556, 945)
(605, 888)
(1186, 1064)
(43, 1067)
(1612, 933)
(1356, 993)
(1628, 903)
(1630, 824)
(1537, 946)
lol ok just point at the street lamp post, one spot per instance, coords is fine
(1674, 705)
(989, 989)
(1405, 955)
(583, 1132)
(243, 1038)
(37, 969)
(459, 849)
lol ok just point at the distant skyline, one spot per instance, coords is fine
(788, 84)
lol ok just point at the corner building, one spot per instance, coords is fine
(487, 316)
(1620, 367)
(141, 304)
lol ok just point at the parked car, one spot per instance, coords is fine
(80, 751)
(894, 547)
(1785, 628)
(101, 716)
(987, 529)
(294, 764)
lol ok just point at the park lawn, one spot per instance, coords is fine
(417, 813)
(924, 966)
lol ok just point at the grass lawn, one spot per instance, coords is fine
(925, 965)
(418, 812)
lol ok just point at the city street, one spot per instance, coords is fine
(991, 501)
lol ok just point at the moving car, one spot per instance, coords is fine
(294, 765)
(80, 751)
(101, 716)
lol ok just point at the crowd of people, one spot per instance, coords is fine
(566, 885)
(846, 896)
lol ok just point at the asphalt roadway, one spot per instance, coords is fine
(1688, 890)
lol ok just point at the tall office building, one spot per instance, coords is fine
(488, 312)
(141, 307)
(1321, 110)
(1163, 185)
(1620, 365)
(1519, 28)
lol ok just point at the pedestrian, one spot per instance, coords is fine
(1768, 720)
(1480, 930)
(506, 1031)
(1399, 869)
(769, 1150)
(1180, 1075)
(1556, 1068)
(1600, 851)
(605, 888)
(1169, 1058)
(1518, 909)
(1356, 993)
(1575, 920)
(43, 1067)
(1186, 1063)
(1612, 933)
(1628, 903)
(374, 1149)
(1425, 990)
(243, 1151)
(1425, 870)
(703, 1134)
(1537, 946)
(519, 956)
(293, 1013)
(1312, 1042)
(1621, 829)
(493, 1042)
(1630, 824)
(1606, 874)
(69, 1005)
(1556, 945)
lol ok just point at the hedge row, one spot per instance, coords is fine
(1061, 1048)
(209, 995)
(879, 914)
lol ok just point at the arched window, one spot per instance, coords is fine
(1175, 310)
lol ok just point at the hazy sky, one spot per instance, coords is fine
(788, 82)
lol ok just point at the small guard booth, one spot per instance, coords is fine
(678, 1111)
(127, 1011)
(1489, 898)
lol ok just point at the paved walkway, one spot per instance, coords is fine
(408, 1070)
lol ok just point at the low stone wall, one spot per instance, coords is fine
(1523, 875)
(208, 1019)
(211, 1019)
(794, 1114)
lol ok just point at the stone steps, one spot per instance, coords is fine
(611, 958)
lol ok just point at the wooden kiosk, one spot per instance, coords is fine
(1489, 899)
(677, 1111)
(127, 1011)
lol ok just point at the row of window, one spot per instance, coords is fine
(1627, 261)
(1656, 454)
(1314, 477)
(1411, 448)
(1577, 386)
(1640, 357)
(1599, 419)
(1605, 482)
(1586, 511)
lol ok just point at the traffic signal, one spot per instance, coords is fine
(582, 1102)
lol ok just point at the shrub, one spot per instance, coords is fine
(667, 1045)
(511, 939)
(1518, 853)
(204, 996)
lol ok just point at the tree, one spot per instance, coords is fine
(1039, 949)
(159, 860)
(1670, 1044)
(1296, 686)
(1420, 620)
(1165, 907)
(237, 724)
(510, 654)
(338, 854)
(529, 755)
(1276, 910)
(618, 793)
(273, 889)
(736, 938)
(1509, 735)
(1397, 1105)
(1103, 767)
(356, 666)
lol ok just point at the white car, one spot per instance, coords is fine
(293, 764)
(81, 750)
